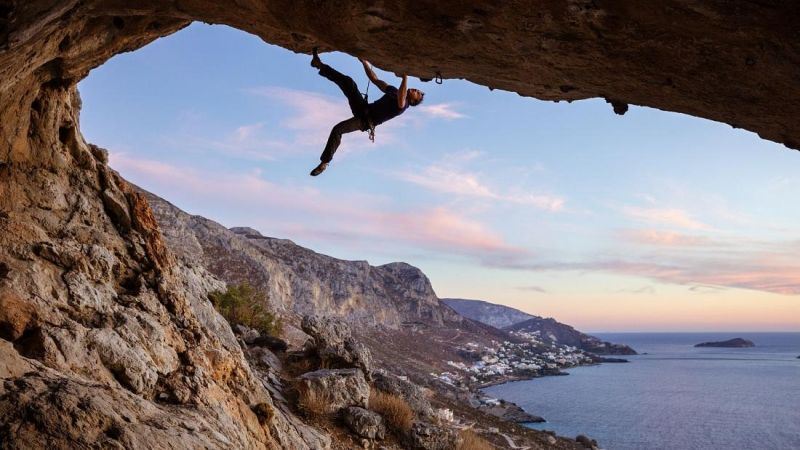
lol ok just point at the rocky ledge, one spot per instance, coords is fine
(730, 343)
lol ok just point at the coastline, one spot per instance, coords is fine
(607, 403)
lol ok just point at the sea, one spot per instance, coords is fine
(675, 396)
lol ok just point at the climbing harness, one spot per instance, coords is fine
(366, 115)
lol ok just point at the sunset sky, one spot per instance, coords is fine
(648, 221)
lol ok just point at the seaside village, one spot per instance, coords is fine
(532, 357)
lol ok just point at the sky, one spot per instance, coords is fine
(651, 221)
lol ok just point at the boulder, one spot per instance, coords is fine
(247, 334)
(427, 436)
(271, 342)
(339, 388)
(413, 395)
(335, 345)
(586, 442)
(364, 422)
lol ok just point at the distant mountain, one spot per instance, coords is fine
(498, 316)
(552, 330)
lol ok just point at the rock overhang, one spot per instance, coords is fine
(737, 63)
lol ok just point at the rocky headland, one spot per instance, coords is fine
(730, 343)
(546, 329)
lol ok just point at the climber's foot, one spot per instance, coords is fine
(319, 169)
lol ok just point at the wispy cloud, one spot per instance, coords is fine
(451, 180)
(667, 238)
(641, 290)
(246, 132)
(446, 111)
(665, 216)
(755, 271)
(538, 289)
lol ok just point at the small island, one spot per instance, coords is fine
(730, 343)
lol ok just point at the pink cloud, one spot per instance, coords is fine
(450, 180)
(777, 279)
(666, 238)
(350, 217)
(370, 221)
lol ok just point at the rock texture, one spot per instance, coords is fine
(498, 316)
(106, 339)
(334, 344)
(299, 281)
(408, 391)
(364, 422)
(339, 388)
(427, 436)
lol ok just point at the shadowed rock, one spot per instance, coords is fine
(364, 422)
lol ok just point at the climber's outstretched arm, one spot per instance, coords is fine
(401, 93)
(372, 77)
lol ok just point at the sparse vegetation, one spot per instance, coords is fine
(243, 305)
(313, 403)
(394, 409)
(471, 441)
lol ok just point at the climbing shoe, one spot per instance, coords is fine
(319, 169)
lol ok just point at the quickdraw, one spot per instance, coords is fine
(371, 128)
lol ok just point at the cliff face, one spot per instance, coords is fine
(300, 281)
(104, 339)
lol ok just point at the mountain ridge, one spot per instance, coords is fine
(298, 280)
(496, 315)
(547, 328)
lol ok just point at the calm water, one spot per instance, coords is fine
(676, 396)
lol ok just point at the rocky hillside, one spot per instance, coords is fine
(106, 340)
(549, 330)
(557, 332)
(403, 326)
(498, 316)
(300, 281)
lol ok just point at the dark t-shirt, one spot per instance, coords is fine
(385, 108)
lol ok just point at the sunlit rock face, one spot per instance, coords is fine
(105, 339)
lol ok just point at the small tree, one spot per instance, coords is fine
(243, 305)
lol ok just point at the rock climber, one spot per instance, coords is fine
(366, 116)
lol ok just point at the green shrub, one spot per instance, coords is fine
(243, 305)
